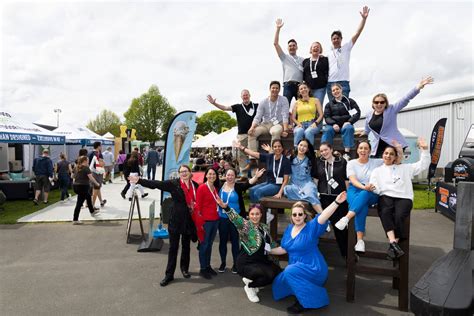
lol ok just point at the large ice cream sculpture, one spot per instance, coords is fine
(180, 131)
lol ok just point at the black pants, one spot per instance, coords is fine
(83, 194)
(341, 235)
(173, 252)
(392, 213)
(127, 186)
(260, 273)
(151, 171)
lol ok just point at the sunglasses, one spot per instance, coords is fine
(379, 102)
(297, 214)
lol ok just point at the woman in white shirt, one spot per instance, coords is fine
(393, 184)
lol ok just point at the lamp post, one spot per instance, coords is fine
(57, 111)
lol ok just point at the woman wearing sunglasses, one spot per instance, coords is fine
(307, 271)
(382, 122)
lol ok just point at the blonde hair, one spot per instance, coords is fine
(301, 205)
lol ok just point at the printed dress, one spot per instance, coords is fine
(307, 270)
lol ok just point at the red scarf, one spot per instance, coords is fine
(189, 193)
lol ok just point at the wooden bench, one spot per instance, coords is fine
(399, 272)
(447, 287)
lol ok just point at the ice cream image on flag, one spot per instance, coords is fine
(180, 132)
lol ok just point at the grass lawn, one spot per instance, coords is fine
(13, 210)
(424, 199)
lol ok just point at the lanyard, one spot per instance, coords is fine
(249, 112)
(329, 171)
(213, 193)
(311, 68)
(273, 116)
(279, 166)
(191, 184)
(337, 57)
(228, 195)
(345, 105)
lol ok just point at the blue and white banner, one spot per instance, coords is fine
(178, 144)
(25, 138)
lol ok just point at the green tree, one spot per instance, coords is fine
(150, 115)
(106, 121)
(214, 121)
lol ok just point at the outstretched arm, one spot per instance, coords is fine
(279, 24)
(328, 211)
(245, 150)
(212, 101)
(364, 14)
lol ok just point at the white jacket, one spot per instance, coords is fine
(395, 180)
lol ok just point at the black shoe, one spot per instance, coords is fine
(186, 274)
(103, 203)
(123, 195)
(144, 195)
(221, 268)
(166, 281)
(295, 309)
(205, 274)
(35, 202)
(234, 269)
(211, 271)
(397, 250)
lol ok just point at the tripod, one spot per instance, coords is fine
(130, 218)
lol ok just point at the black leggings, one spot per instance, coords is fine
(392, 213)
(341, 235)
(83, 194)
(261, 273)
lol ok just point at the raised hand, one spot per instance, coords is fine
(422, 143)
(424, 82)
(211, 100)
(260, 172)
(267, 148)
(365, 12)
(341, 197)
(279, 23)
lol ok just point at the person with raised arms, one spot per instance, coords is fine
(245, 113)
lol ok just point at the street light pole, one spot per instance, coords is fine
(57, 111)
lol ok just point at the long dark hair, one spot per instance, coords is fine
(217, 183)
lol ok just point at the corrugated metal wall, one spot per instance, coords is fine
(421, 120)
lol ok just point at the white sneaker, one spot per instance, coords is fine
(95, 213)
(246, 281)
(251, 294)
(77, 223)
(342, 223)
(360, 246)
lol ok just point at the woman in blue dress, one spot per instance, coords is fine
(307, 270)
(302, 186)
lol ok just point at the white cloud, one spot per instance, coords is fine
(86, 56)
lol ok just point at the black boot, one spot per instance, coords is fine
(296, 308)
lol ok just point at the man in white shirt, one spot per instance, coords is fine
(339, 57)
(291, 63)
(108, 164)
(271, 118)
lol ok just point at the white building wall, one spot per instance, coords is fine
(421, 120)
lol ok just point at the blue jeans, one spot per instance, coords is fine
(319, 94)
(307, 131)
(205, 248)
(263, 189)
(346, 88)
(359, 201)
(347, 133)
(290, 90)
(63, 181)
(151, 170)
(227, 230)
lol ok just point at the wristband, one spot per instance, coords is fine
(337, 202)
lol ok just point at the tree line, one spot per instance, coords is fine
(150, 115)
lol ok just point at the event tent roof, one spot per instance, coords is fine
(225, 139)
(14, 130)
(108, 135)
(205, 141)
(81, 135)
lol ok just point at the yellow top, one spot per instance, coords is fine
(306, 110)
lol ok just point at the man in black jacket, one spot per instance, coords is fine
(340, 115)
(43, 169)
(151, 160)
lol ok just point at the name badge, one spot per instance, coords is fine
(267, 247)
(275, 121)
(314, 74)
(352, 112)
(279, 180)
(251, 112)
(333, 183)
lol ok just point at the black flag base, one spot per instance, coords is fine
(150, 245)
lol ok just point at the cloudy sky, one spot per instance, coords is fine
(86, 56)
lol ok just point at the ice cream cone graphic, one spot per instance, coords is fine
(180, 132)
